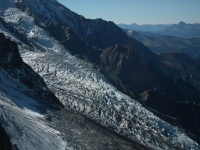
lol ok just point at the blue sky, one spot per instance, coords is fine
(138, 11)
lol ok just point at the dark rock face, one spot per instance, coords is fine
(5, 143)
(11, 62)
(71, 41)
(131, 66)
(9, 54)
(101, 33)
(183, 67)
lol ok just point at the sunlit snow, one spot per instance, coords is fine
(23, 120)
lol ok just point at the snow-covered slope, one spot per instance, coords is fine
(54, 12)
(83, 89)
(22, 118)
(24, 102)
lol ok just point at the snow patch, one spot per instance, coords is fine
(23, 120)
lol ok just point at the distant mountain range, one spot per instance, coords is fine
(181, 29)
(162, 43)
(145, 27)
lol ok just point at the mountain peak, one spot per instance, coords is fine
(181, 23)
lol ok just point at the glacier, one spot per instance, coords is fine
(80, 88)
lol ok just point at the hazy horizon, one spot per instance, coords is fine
(138, 11)
(160, 23)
